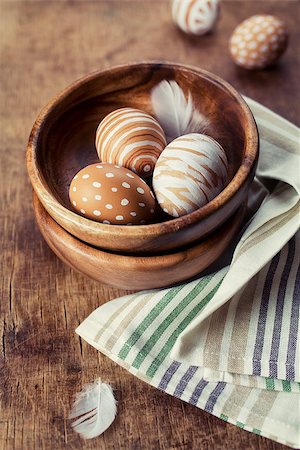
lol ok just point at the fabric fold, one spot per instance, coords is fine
(275, 222)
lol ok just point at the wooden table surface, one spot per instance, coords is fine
(45, 45)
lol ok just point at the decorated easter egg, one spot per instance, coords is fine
(190, 172)
(130, 138)
(258, 42)
(195, 16)
(111, 194)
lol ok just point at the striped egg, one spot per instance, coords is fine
(195, 16)
(130, 138)
(190, 172)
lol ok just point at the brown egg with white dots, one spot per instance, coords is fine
(112, 194)
(258, 42)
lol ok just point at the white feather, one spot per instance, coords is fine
(95, 409)
(176, 114)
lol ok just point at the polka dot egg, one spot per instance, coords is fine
(258, 42)
(130, 138)
(195, 16)
(190, 172)
(111, 194)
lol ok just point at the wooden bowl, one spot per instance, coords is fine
(62, 142)
(135, 272)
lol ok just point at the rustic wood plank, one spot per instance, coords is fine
(45, 46)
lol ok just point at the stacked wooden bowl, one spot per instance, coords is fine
(144, 256)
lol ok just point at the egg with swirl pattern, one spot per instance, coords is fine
(190, 172)
(196, 17)
(130, 138)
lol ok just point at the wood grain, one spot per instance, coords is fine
(62, 142)
(138, 272)
(45, 46)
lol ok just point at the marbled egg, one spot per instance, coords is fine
(258, 42)
(111, 194)
(130, 138)
(190, 172)
(195, 16)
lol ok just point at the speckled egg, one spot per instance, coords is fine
(190, 172)
(195, 16)
(258, 42)
(111, 194)
(130, 138)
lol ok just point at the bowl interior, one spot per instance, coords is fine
(65, 142)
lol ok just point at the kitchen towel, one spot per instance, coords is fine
(228, 342)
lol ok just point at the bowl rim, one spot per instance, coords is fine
(48, 199)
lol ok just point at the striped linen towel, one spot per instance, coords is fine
(228, 342)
